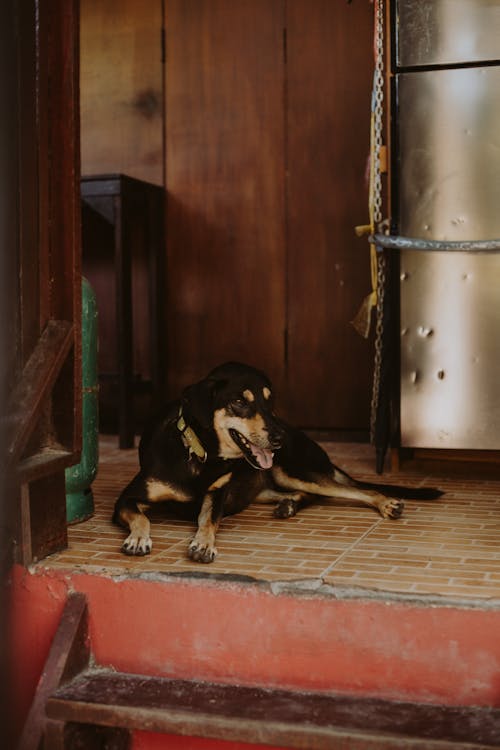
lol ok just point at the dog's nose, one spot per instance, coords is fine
(276, 436)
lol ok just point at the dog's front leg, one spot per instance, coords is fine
(130, 513)
(202, 548)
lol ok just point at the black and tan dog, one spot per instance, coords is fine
(220, 448)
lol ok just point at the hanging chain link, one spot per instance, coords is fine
(378, 111)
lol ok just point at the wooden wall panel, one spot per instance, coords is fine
(266, 121)
(121, 83)
(329, 53)
(225, 182)
(122, 131)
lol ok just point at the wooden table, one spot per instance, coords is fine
(125, 202)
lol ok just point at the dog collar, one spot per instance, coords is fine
(190, 439)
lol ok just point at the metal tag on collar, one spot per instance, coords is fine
(190, 439)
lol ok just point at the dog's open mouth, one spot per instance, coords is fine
(259, 458)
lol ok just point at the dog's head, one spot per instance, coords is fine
(235, 404)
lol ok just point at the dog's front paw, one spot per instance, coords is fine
(137, 545)
(285, 509)
(202, 552)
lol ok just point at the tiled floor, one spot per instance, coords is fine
(449, 547)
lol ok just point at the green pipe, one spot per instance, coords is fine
(79, 478)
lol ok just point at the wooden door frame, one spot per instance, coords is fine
(42, 411)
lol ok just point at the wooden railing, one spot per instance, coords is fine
(41, 416)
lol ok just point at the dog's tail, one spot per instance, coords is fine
(403, 493)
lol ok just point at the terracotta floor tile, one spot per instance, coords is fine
(450, 547)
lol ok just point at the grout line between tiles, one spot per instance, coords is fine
(349, 549)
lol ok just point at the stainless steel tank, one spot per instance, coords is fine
(448, 186)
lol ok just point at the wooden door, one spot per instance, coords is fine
(225, 145)
(267, 135)
(329, 71)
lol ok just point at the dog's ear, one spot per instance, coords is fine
(198, 402)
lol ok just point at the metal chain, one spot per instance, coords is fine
(379, 333)
(378, 107)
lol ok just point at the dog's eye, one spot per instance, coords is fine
(239, 406)
(241, 402)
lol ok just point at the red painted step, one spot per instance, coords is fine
(262, 635)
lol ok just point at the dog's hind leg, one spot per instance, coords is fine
(337, 484)
(129, 512)
(288, 504)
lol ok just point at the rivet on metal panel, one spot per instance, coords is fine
(414, 376)
(440, 374)
(404, 276)
(404, 331)
(425, 332)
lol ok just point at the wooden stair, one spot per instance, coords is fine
(80, 705)
(309, 721)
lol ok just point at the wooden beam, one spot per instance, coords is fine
(37, 380)
(46, 461)
(47, 517)
(292, 719)
(68, 655)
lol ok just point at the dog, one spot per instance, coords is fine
(221, 447)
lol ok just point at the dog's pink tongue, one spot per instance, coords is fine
(263, 456)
